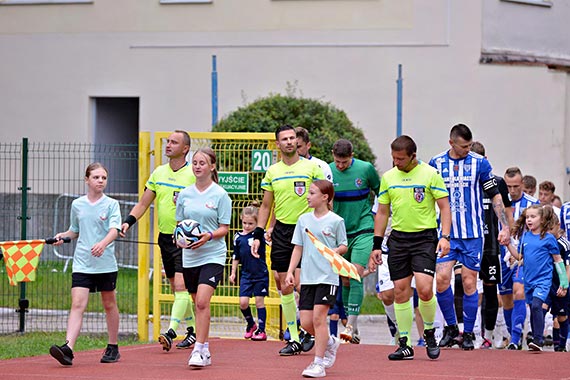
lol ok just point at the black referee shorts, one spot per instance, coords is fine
(410, 252)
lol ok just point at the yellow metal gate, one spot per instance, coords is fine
(242, 161)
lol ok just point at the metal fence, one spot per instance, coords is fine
(53, 174)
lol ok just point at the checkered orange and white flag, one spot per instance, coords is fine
(21, 258)
(338, 263)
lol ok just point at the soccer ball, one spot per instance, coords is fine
(186, 233)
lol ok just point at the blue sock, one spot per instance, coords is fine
(519, 315)
(333, 327)
(563, 332)
(445, 301)
(261, 317)
(470, 311)
(508, 313)
(537, 315)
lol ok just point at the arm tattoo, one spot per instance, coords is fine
(500, 212)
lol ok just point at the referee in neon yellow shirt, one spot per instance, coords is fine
(411, 189)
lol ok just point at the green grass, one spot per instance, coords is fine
(38, 343)
(52, 290)
(372, 305)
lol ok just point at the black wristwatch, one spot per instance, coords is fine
(446, 237)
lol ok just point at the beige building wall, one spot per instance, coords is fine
(55, 58)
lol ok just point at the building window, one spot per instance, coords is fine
(542, 3)
(42, 2)
(186, 1)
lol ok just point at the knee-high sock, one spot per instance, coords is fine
(404, 316)
(427, 310)
(355, 297)
(389, 309)
(563, 332)
(491, 306)
(508, 313)
(470, 311)
(458, 298)
(333, 327)
(345, 294)
(178, 309)
(519, 315)
(537, 315)
(248, 317)
(355, 302)
(261, 317)
(392, 325)
(445, 301)
(290, 313)
(189, 314)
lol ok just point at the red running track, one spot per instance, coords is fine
(234, 359)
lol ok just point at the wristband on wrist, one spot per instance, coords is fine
(130, 220)
(377, 243)
(258, 233)
(211, 236)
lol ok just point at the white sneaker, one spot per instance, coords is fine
(347, 334)
(200, 359)
(314, 370)
(330, 352)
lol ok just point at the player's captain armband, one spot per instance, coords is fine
(561, 270)
(490, 183)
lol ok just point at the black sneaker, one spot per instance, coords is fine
(529, 338)
(189, 340)
(111, 355)
(431, 345)
(535, 345)
(548, 341)
(559, 348)
(450, 335)
(404, 352)
(307, 342)
(514, 347)
(468, 341)
(292, 348)
(63, 354)
(166, 339)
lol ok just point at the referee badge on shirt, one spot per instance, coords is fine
(419, 194)
(300, 188)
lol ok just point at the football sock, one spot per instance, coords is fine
(178, 309)
(537, 316)
(470, 310)
(261, 317)
(404, 317)
(189, 314)
(427, 310)
(563, 332)
(555, 336)
(248, 317)
(458, 297)
(445, 301)
(355, 298)
(508, 314)
(491, 306)
(389, 310)
(391, 326)
(518, 317)
(290, 313)
(333, 326)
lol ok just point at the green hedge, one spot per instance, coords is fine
(325, 123)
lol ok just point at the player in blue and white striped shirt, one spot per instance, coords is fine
(466, 175)
(512, 285)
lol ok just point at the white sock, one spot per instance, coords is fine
(389, 309)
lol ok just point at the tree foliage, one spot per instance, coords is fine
(325, 123)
